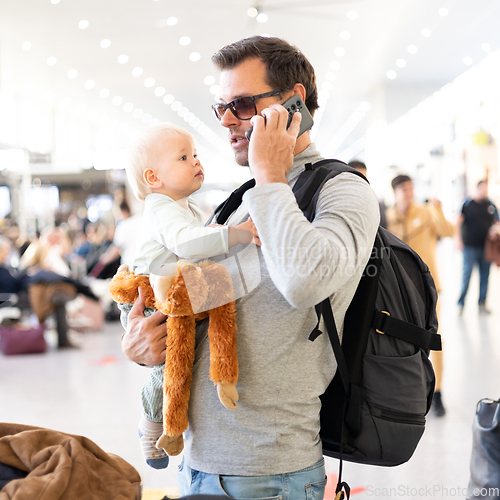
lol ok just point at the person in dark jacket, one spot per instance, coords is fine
(478, 215)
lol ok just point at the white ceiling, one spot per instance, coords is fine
(378, 37)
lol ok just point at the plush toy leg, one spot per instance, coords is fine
(223, 353)
(222, 332)
(177, 379)
(172, 445)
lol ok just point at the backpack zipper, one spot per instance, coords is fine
(397, 416)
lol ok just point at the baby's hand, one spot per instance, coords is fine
(250, 227)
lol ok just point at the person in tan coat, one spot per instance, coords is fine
(420, 227)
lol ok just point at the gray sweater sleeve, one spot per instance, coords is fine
(309, 262)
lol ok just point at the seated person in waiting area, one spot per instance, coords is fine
(270, 446)
(164, 170)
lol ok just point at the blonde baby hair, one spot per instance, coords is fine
(139, 155)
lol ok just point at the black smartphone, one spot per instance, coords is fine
(295, 103)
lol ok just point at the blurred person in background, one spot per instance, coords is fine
(10, 280)
(477, 216)
(420, 227)
(124, 242)
(50, 252)
(361, 167)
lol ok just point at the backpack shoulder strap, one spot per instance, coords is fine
(313, 178)
(227, 207)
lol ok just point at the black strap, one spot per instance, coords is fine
(331, 328)
(227, 207)
(403, 330)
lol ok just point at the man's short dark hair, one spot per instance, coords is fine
(399, 179)
(285, 64)
(482, 181)
(124, 207)
(357, 164)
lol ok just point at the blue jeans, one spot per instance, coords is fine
(305, 484)
(473, 255)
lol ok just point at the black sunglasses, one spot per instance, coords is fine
(241, 107)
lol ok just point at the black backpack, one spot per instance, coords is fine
(373, 411)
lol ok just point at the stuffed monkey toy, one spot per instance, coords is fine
(199, 291)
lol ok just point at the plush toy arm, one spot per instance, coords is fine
(228, 395)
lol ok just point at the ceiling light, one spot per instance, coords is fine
(185, 40)
(209, 80)
(149, 82)
(117, 100)
(339, 51)
(159, 91)
(426, 32)
(194, 121)
(330, 76)
(214, 89)
(486, 47)
(54, 2)
(26, 46)
(122, 59)
(335, 65)
(128, 107)
(391, 74)
(176, 105)
(443, 12)
(169, 99)
(137, 71)
(172, 21)
(262, 18)
(72, 73)
(352, 14)
(194, 56)
(83, 24)
(104, 93)
(412, 49)
(400, 63)
(105, 44)
(51, 61)
(467, 60)
(89, 84)
(252, 12)
(183, 112)
(327, 86)
(345, 35)
(137, 113)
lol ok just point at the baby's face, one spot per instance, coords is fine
(178, 167)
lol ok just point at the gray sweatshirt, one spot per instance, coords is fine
(282, 373)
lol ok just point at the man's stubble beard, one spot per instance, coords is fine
(241, 157)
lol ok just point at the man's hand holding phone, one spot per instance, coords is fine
(270, 153)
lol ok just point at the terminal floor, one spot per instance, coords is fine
(93, 390)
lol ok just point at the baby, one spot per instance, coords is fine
(164, 171)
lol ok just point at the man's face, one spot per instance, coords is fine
(246, 79)
(403, 194)
(482, 190)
